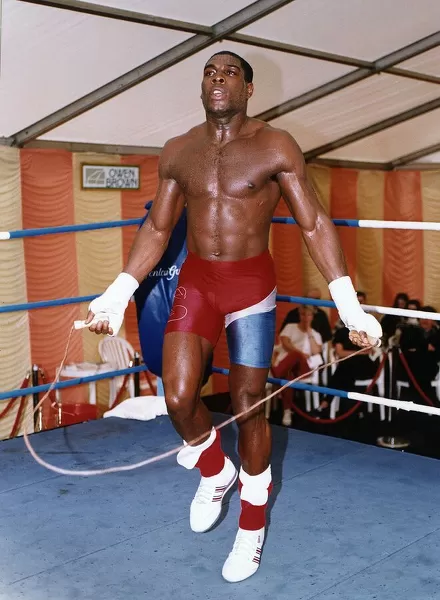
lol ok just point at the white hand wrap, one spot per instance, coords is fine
(111, 305)
(350, 311)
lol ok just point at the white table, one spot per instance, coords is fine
(86, 369)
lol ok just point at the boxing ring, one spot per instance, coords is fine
(347, 521)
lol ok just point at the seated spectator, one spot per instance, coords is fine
(362, 297)
(391, 322)
(360, 367)
(320, 321)
(431, 332)
(420, 348)
(299, 351)
(413, 305)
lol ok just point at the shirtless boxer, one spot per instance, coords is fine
(230, 172)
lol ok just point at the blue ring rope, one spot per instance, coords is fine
(299, 386)
(109, 374)
(8, 308)
(37, 389)
(23, 233)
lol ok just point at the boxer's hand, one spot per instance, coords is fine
(106, 313)
(365, 330)
(97, 326)
(370, 333)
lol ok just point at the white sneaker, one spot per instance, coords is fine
(244, 559)
(206, 506)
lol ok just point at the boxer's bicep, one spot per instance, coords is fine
(169, 201)
(296, 188)
(318, 231)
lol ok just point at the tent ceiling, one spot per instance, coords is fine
(428, 62)
(431, 158)
(53, 57)
(394, 142)
(365, 30)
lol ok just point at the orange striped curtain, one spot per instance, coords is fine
(132, 207)
(403, 250)
(45, 184)
(51, 263)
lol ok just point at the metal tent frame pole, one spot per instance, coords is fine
(406, 115)
(412, 156)
(423, 45)
(121, 14)
(174, 55)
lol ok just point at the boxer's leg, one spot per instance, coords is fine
(250, 339)
(191, 334)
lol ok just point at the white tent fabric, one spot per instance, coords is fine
(51, 57)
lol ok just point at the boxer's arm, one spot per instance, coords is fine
(317, 229)
(322, 240)
(152, 238)
(106, 312)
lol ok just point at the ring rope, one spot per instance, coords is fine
(351, 410)
(154, 459)
(361, 223)
(385, 310)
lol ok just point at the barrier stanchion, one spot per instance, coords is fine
(137, 381)
(38, 419)
(413, 380)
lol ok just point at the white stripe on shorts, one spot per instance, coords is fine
(265, 305)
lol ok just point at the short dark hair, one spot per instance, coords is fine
(248, 71)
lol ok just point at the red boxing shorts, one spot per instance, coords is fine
(239, 295)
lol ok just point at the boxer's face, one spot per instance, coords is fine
(224, 90)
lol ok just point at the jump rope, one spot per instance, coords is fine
(158, 457)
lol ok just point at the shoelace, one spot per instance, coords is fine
(204, 493)
(244, 546)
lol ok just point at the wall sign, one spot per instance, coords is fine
(110, 177)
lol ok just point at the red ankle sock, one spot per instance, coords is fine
(212, 460)
(252, 517)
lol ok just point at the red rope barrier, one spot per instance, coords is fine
(150, 383)
(349, 412)
(12, 400)
(10, 404)
(17, 421)
(414, 380)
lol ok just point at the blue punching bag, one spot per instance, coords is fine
(155, 295)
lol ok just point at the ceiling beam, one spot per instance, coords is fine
(174, 55)
(93, 147)
(328, 56)
(386, 62)
(121, 14)
(350, 164)
(185, 26)
(413, 156)
(407, 115)
(413, 75)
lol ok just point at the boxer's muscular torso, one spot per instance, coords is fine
(230, 189)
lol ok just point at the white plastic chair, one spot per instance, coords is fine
(119, 353)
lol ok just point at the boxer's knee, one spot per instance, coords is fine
(181, 398)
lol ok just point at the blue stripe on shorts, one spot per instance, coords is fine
(251, 340)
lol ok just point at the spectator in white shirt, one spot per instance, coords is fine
(300, 337)
(299, 351)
